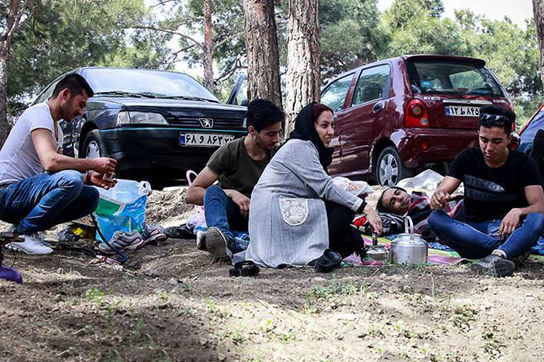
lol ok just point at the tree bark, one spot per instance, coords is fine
(538, 11)
(263, 64)
(208, 46)
(303, 52)
(12, 21)
(4, 124)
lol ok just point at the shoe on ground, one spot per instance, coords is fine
(179, 232)
(494, 265)
(122, 240)
(32, 245)
(201, 240)
(327, 262)
(152, 233)
(217, 244)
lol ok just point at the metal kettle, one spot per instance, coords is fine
(408, 248)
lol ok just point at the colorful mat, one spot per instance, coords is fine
(438, 255)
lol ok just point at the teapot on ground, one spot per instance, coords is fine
(408, 248)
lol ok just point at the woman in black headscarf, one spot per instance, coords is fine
(296, 211)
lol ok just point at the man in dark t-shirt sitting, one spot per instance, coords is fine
(237, 167)
(504, 201)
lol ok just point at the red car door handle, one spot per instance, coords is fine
(378, 107)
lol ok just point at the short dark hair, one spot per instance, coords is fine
(75, 84)
(261, 113)
(379, 206)
(496, 116)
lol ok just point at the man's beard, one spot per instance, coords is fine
(261, 144)
(66, 111)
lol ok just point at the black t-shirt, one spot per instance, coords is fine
(490, 193)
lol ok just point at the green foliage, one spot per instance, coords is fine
(415, 27)
(463, 316)
(351, 34)
(403, 13)
(95, 295)
(66, 34)
(511, 53)
(334, 289)
(227, 32)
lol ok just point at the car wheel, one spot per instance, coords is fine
(93, 146)
(389, 169)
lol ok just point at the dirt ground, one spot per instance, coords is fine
(170, 302)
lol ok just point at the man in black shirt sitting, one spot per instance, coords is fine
(504, 201)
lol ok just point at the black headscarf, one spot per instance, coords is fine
(305, 130)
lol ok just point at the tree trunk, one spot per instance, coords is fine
(263, 64)
(538, 11)
(208, 46)
(4, 124)
(303, 52)
(16, 7)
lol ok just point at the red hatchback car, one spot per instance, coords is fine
(399, 115)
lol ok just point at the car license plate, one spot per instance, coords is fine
(204, 139)
(462, 111)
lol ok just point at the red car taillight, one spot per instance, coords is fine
(415, 114)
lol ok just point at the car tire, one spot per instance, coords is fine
(389, 169)
(93, 146)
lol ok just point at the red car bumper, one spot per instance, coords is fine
(418, 146)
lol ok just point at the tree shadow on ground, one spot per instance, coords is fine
(170, 298)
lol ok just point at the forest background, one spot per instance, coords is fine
(48, 38)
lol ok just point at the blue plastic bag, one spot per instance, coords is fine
(122, 207)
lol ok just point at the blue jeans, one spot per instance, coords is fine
(475, 240)
(45, 200)
(221, 212)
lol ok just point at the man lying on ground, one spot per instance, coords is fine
(395, 203)
(503, 201)
(237, 166)
(34, 200)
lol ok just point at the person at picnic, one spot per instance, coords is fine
(297, 212)
(503, 199)
(236, 166)
(39, 186)
(395, 203)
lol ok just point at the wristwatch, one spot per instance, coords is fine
(361, 207)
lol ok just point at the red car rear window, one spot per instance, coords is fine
(451, 77)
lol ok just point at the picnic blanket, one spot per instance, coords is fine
(442, 256)
(439, 254)
(538, 249)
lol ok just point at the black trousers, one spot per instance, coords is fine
(343, 238)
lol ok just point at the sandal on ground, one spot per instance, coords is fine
(327, 262)
(245, 268)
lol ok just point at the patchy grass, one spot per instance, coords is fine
(172, 304)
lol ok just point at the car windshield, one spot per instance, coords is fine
(452, 77)
(145, 83)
